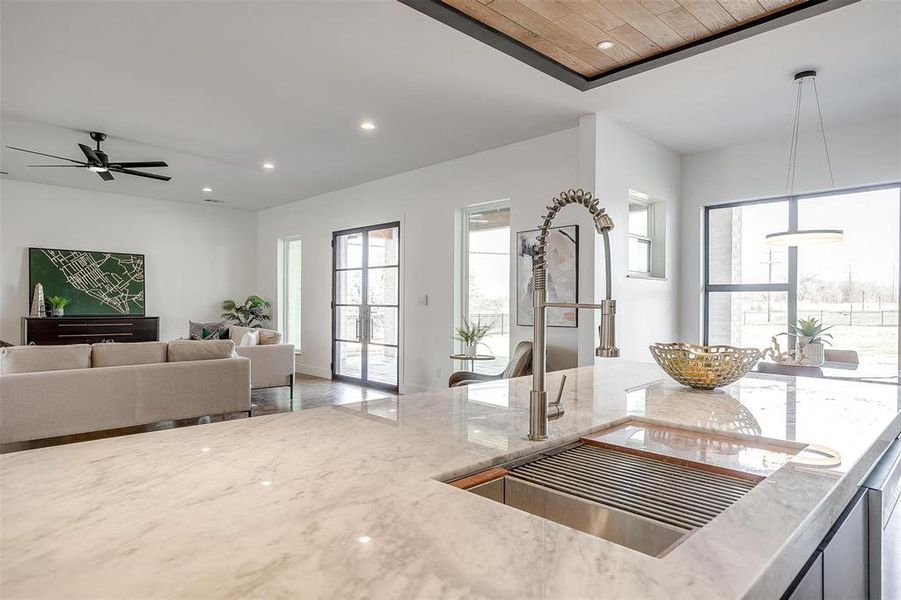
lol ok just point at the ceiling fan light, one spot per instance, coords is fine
(97, 169)
(805, 237)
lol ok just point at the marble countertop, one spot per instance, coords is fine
(346, 502)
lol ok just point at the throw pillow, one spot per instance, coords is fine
(195, 330)
(214, 334)
(251, 338)
(270, 337)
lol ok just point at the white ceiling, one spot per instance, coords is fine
(217, 88)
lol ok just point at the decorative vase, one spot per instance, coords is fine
(814, 352)
(469, 349)
(37, 303)
(57, 312)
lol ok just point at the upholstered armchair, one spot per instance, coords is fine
(520, 364)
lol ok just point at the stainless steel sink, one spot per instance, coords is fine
(643, 503)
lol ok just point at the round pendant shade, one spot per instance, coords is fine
(805, 237)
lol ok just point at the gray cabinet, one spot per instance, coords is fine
(810, 587)
(839, 569)
(845, 554)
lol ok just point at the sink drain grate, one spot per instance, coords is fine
(684, 497)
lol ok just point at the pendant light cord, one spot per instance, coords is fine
(823, 131)
(793, 152)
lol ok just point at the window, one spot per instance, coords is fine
(753, 291)
(486, 278)
(647, 231)
(291, 303)
(640, 227)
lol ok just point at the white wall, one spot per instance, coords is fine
(647, 309)
(427, 202)
(863, 153)
(196, 255)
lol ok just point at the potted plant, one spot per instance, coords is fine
(58, 305)
(253, 313)
(471, 334)
(811, 336)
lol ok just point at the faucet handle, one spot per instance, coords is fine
(560, 391)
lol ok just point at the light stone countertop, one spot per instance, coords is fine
(344, 502)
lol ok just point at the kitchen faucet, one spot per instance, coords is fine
(538, 405)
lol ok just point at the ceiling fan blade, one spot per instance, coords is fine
(50, 155)
(141, 174)
(130, 165)
(105, 175)
(67, 166)
(90, 154)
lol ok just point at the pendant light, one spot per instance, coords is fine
(805, 237)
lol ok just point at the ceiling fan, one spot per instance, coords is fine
(99, 162)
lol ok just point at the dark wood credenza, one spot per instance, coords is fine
(89, 330)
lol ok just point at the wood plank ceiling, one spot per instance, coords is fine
(569, 31)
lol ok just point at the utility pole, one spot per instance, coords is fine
(850, 299)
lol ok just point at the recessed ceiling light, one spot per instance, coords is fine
(207, 189)
(364, 539)
(205, 449)
(266, 482)
(268, 165)
(367, 125)
(605, 45)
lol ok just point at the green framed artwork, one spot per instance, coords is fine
(97, 283)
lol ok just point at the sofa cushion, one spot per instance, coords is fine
(136, 353)
(32, 359)
(251, 338)
(268, 337)
(216, 330)
(184, 350)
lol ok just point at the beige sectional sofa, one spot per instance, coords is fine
(49, 391)
(271, 361)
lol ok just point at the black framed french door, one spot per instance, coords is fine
(366, 305)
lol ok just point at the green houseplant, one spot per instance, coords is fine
(811, 336)
(253, 313)
(58, 305)
(471, 334)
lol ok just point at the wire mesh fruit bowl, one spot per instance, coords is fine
(704, 367)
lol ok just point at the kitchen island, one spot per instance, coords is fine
(349, 501)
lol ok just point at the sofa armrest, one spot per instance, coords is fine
(271, 365)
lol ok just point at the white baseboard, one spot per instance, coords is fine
(412, 388)
(314, 371)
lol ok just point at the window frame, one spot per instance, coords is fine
(647, 239)
(465, 214)
(791, 286)
(285, 287)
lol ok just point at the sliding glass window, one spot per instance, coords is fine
(754, 291)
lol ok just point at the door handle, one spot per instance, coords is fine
(359, 328)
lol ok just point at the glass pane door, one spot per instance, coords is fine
(366, 305)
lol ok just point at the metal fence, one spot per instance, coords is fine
(500, 322)
(856, 318)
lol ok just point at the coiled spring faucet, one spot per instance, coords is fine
(538, 405)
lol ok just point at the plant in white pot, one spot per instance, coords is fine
(58, 305)
(471, 334)
(811, 336)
